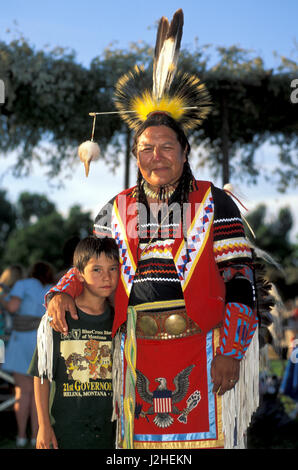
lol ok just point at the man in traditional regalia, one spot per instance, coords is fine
(185, 331)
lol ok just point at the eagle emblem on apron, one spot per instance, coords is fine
(162, 400)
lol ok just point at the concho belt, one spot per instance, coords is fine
(165, 325)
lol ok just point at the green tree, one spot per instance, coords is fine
(273, 236)
(43, 240)
(46, 235)
(7, 220)
(78, 223)
(31, 207)
(251, 105)
(49, 97)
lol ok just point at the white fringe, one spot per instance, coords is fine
(45, 348)
(239, 404)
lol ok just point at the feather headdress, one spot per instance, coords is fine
(181, 95)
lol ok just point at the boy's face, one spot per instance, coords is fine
(100, 276)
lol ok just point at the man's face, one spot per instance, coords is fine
(160, 156)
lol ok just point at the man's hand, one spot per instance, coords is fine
(57, 308)
(224, 373)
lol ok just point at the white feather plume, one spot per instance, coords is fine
(164, 64)
(166, 53)
(88, 152)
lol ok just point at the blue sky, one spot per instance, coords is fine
(263, 26)
(89, 26)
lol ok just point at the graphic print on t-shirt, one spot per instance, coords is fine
(88, 361)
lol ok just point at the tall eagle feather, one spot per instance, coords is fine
(166, 53)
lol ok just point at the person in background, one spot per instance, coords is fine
(289, 383)
(7, 280)
(25, 304)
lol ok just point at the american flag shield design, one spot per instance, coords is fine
(162, 401)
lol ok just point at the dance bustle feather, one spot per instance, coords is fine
(181, 95)
(88, 151)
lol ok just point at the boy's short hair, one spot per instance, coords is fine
(93, 247)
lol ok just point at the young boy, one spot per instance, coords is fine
(75, 412)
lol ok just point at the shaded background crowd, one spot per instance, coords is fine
(250, 139)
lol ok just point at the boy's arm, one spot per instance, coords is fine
(45, 436)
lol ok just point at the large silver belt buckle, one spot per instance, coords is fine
(148, 325)
(175, 324)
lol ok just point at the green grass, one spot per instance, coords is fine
(277, 367)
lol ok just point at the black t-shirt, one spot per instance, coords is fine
(81, 390)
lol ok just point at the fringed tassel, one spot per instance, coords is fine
(130, 351)
(117, 384)
(45, 348)
(239, 404)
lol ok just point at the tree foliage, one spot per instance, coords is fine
(47, 99)
(273, 236)
(31, 207)
(7, 220)
(251, 105)
(45, 234)
(49, 96)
